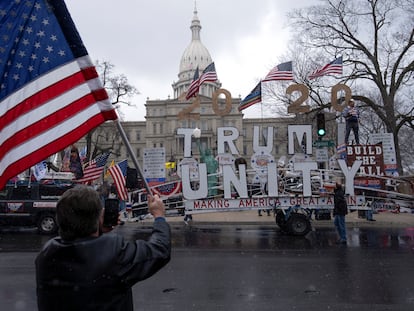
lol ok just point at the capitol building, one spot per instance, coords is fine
(211, 109)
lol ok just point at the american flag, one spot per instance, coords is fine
(280, 72)
(209, 74)
(334, 67)
(254, 97)
(118, 173)
(194, 86)
(94, 169)
(50, 93)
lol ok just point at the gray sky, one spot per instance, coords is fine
(146, 39)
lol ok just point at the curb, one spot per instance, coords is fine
(382, 220)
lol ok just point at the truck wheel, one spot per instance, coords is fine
(298, 224)
(47, 224)
(280, 220)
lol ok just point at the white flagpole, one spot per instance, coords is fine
(133, 156)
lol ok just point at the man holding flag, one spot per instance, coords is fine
(50, 97)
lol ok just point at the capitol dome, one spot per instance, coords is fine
(195, 56)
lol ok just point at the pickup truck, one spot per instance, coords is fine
(26, 204)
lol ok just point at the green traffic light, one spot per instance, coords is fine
(321, 132)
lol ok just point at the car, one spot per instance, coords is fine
(32, 204)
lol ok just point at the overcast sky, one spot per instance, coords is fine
(146, 39)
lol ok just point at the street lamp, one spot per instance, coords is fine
(207, 158)
(197, 133)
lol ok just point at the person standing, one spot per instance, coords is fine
(83, 269)
(351, 114)
(339, 212)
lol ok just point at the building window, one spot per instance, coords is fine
(138, 152)
(204, 125)
(161, 128)
(154, 128)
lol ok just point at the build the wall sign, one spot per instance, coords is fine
(372, 158)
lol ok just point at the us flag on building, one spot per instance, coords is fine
(209, 74)
(50, 93)
(118, 173)
(94, 169)
(334, 67)
(194, 86)
(280, 72)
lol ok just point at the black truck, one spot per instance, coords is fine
(25, 204)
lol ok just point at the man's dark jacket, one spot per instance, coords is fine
(98, 273)
(340, 206)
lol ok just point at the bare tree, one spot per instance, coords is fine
(119, 90)
(375, 38)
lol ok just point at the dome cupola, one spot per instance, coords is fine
(195, 56)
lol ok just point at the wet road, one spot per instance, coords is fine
(246, 267)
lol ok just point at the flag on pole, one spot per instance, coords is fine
(118, 173)
(39, 170)
(280, 72)
(209, 74)
(50, 93)
(254, 97)
(94, 169)
(107, 174)
(334, 67)
(194, 86)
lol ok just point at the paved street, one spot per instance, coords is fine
(251, 265)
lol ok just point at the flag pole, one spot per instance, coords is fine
(134, 158)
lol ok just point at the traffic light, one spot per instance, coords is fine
(320, 123)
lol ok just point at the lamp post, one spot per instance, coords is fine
(211, 163)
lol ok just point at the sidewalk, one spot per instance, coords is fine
(383, 219)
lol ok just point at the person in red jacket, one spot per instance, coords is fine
(83, 269)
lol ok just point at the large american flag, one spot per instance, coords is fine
(334, 67)
(118, 173)
(50, 93)
(194, 86)
(94, 169)
(209, 74)
(280, 72)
